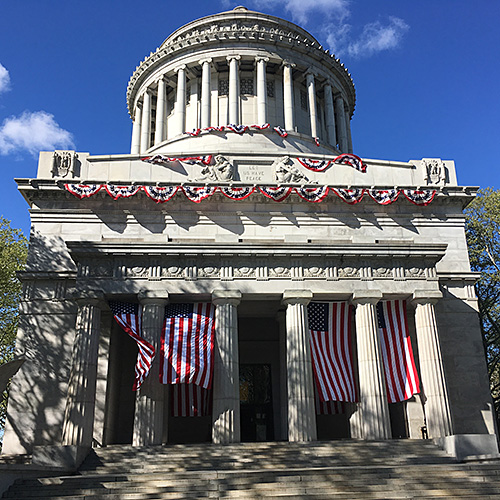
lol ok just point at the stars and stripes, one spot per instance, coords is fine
(261, 127)
(187, 343)
(351, 196)
(237, 193)
(239, 129)
(328, 407)
(189, 400)
(331, 351)
(420, 196)
(278, 193)
(384, 196)
(128, 316)
(83, 190)
(352, 160)
(399, 365)
(281, 131)
(160, 194)
(121, 191)
(313, 195)
(198, 194)
(315, 165)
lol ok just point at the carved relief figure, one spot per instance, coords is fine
(435, 171)
(285, 173)
(62, 163)
(223, 171)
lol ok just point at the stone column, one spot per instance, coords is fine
(330, 116)
(433, 381)
(161, 112)
(261, 90)
(234, 89)
(348, 131)
(226, 381)
(180, 101)
(135, 147)
(311, 95)
(281, 319)
(374, 420)
(206, 95)
(78, 423)
(341, 124)
(146, 121)
(148, 418)
(288, 107)
(301, 410)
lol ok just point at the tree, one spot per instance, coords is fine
(483, 238)
(13, 253)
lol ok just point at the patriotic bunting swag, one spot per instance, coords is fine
(128, 316)
(121, 191)
(420, 197)
(352, 160)
(83, 190)
(162, 159)
(279, 193)
(315, 165)
(237, 193)
(384, 196)
(350, 196)
(187, 344)
(160, 194)
(189, 400)
(261, 127)
(239, 129)
(399, 366)
(313, 195)
(198, 194)
(281, 131)
(330, 338)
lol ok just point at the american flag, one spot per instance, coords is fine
(189, 400)
(128, 317)
(328, 407)
(400, 371)
(187, 344)
(330, 336)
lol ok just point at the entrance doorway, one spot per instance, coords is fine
(256, 403)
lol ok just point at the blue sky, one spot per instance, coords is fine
(426, 73)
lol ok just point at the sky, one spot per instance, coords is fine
(426, 74)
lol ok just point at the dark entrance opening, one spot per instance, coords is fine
(256, 403)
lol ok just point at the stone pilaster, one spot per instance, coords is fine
(261, 90)
(226, 381)
(348, 131)
(311, 95)
(205, 92)
(161, 116)
(80, 403)
(149, 405)
(373, 419)
(180, 101)
(146, 121)
(234, 89)
(433, 381)
(288, 106)
(281, 319)
(135, 147)
(341, 124)
(330, 116)
(301, 410)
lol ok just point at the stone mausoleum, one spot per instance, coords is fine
(242, 191)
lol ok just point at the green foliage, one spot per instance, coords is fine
(483, 238)
(13, 253)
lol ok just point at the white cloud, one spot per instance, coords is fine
(4, 79)
(375, 38)
(33, 132)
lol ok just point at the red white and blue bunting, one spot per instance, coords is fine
(239, 129)
(261, 127)
(315, 165)
(278, 193)
(281, 131)
(162, 159)
(352, 160)
(161, 194)
(83, 190)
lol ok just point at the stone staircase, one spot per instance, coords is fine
(339, 470)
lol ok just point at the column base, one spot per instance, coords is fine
(67, 457)
(469, 446)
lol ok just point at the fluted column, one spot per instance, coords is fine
(348, 131)
(374, 420)
(226, 381)
(135, 147)
(288, 106)
(146, 121)
(180, 101)
(149, 404)
(433, 381)
(341, 124)
(78, 423)
(330, 116)
(161, 115)
(205, 92)
(261, 90)
(234, 89)
(301, 410)
(311, 95)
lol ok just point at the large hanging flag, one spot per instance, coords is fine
(187, 344)
(399, 366)
(128, 316)
(189, 400)
(328, 407)
(330, 336)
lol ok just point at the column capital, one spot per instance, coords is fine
(421, 297)
(231, 57)
(164, 78)
(221, 297)
(362, 297)
(207, 60)
(179, 68)
(89, 297)
(310, 74)
(288, 63)
(262, 58)
(153, 297)
(338, 97)
(292, 297)
(328, 83)
(148, 91)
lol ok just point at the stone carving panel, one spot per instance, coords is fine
(63, 163)
(435, 171)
